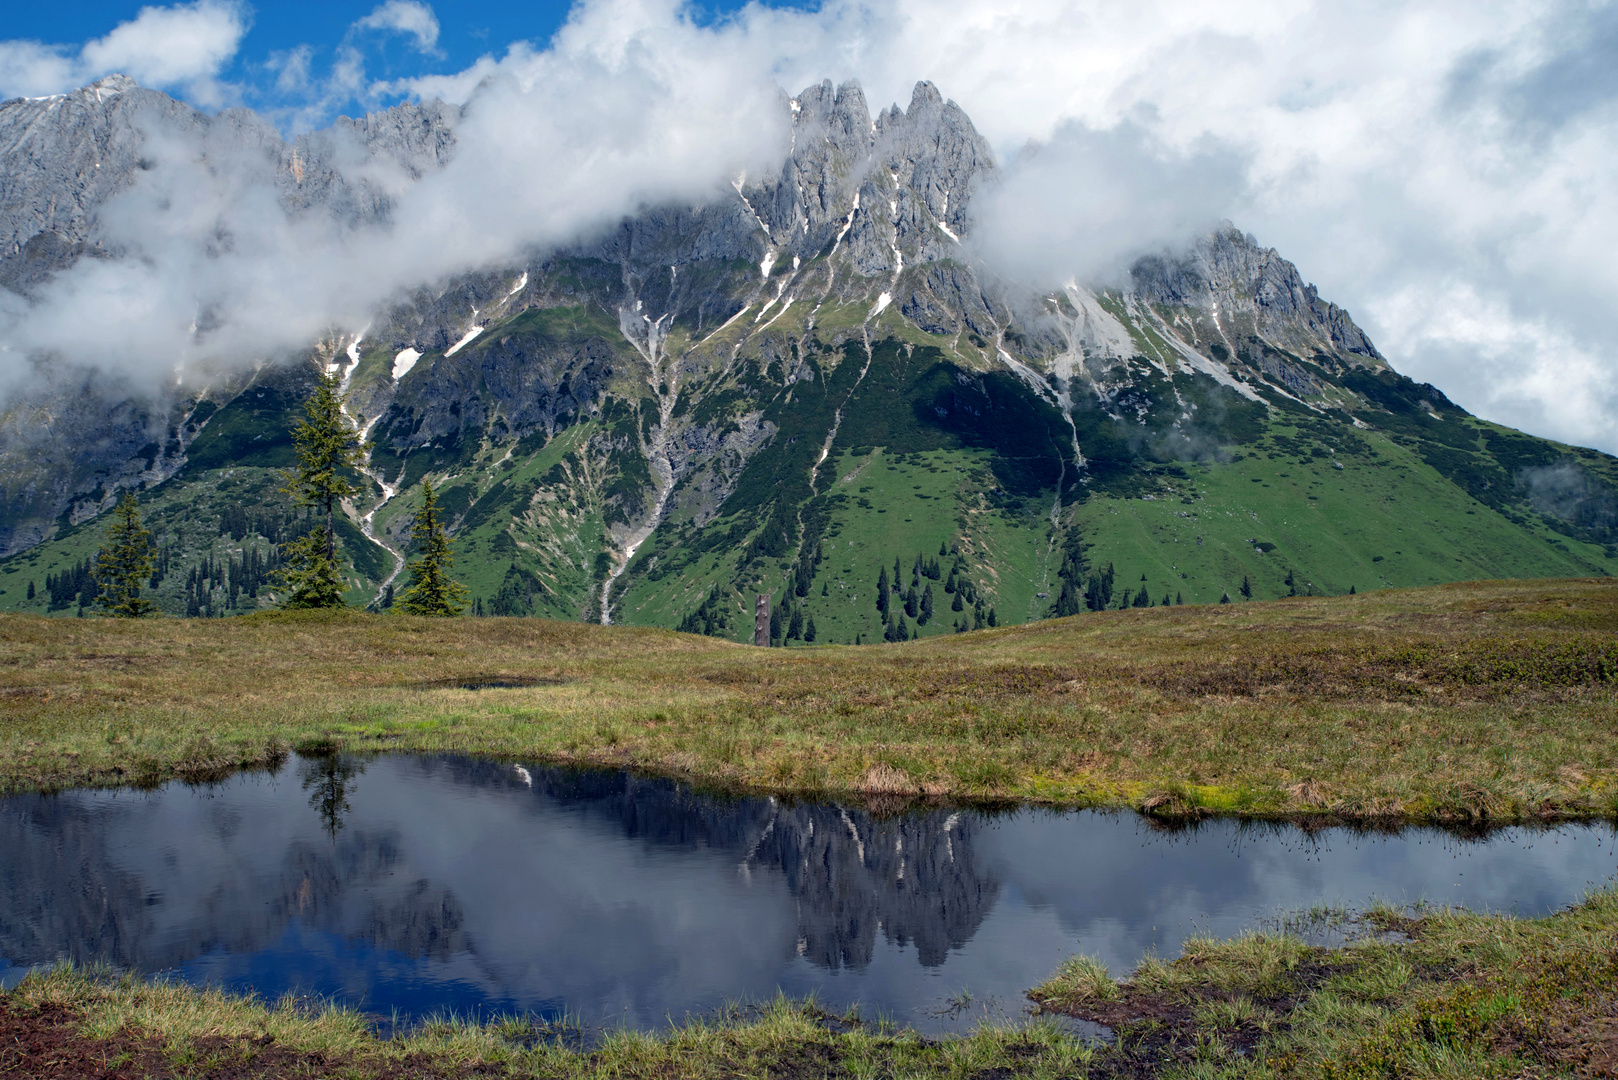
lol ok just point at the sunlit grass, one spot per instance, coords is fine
(1490, 701)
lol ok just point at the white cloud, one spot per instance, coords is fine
(1423, 161)
(1087, 203)
(182, 45)
(553, 146)
(29, 69)
(405, 17)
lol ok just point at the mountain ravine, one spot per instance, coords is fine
(797, 388)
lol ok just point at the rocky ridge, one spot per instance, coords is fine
(652, 385)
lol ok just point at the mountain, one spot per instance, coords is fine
(791, 389)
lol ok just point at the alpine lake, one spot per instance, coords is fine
(412, 886)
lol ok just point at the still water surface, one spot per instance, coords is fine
(408, 885)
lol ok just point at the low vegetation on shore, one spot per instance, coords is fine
(1477, 702)
(1438, 994)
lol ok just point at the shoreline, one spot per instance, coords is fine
(1429, 991)
(1463, 705)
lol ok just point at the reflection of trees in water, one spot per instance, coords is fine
(327, 779)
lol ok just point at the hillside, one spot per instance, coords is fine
(791, 389)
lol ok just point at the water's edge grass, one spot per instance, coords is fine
(1477, 703)
(1435, 993)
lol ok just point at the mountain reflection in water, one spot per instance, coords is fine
(416, 884)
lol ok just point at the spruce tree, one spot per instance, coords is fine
(327, 445)
(432, 591)
(882, 591)
(1247, 588)
(124, 563)
(809, 631)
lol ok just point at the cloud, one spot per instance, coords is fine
(1086, 203)
(552, 146)
(1445, 169)
(182, 45)
(405, 17)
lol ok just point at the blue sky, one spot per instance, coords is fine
(442, 38)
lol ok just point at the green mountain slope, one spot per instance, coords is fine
(796, 389)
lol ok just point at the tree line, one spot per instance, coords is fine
(305, 565)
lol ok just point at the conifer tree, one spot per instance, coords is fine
(124, 563)
(432, 591)
(882, 591)
(326, 445)
(809, 631)
(1247, 588)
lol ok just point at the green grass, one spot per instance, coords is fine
(1488, 701)
(1383, 521)
(1434, 993)
(890, 506)
(1454, 994)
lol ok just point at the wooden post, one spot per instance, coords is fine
(761, 620)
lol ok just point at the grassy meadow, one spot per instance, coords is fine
(1474, 702)
(1480, 702)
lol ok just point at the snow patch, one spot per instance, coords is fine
(948, 232)
(780, 313)
(847, 224)
(517, 288)
(404, 362)
(353, 357)
(767, 264)
(727, 322)
(881, 305)
(461, 344)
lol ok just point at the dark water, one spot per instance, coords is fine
(413, 885)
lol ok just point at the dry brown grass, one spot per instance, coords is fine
(1478, 701)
